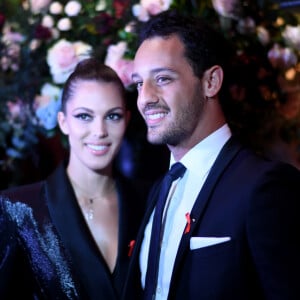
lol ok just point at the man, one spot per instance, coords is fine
(231, 225)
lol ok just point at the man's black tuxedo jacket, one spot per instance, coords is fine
(256, 203)
(46, 249)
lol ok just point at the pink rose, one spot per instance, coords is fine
(115, 60)
(14, 108)
(124, 68)
(64, 56)
(9, 36)
(148, 8)
(36, 6)
(156, 6)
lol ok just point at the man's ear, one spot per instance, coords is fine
(212, 81)
(61, 120)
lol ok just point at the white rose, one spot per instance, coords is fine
(227, 8)
(101, 5)
(148, 8)
(82, 50)
(154, 7)
(140, 13)
(263, 35)
(48, 21)
(56, 8)
(291, 35)
(115, 53)
(34, 44)
(72, 8)
(64, 24)
(55, 33)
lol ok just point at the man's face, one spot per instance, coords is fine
(170, 96)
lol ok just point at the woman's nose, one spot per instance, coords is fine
(100, 129)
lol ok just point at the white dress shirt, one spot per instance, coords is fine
(198, 162)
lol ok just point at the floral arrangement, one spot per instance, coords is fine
(41, 41)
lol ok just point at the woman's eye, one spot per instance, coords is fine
(83, 116)
(114, 116)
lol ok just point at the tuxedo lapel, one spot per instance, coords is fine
(133, 286)
(227, 154)
(152, 201)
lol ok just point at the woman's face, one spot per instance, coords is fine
(95, 122)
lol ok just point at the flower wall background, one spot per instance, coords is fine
(41, 41)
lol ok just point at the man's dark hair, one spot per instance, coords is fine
(204, 45)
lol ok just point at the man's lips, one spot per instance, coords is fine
(154, 117)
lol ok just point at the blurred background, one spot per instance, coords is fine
(41, 41)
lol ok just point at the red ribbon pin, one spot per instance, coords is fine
(188, 223)
(131, 245)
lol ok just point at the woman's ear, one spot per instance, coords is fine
(212, 81)
(61, 120)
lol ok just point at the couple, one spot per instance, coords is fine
(229, 224)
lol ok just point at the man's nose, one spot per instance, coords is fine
(147, 94)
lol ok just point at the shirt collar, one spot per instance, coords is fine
(201, 157)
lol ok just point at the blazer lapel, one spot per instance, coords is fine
(75, 234)
(227, 154)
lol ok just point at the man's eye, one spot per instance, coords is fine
(114, 117)
(163, 79)
(83, 116)
(138, 84)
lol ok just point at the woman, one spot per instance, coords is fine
(70, 236)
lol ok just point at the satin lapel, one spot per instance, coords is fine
(134, 270)
(227, 154)
(153, 195)
(131, 212)
(132, 207)
(66, 215)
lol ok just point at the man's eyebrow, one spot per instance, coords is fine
(134, 75)
(154, 71)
